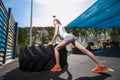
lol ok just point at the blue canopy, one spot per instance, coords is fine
(102, 14)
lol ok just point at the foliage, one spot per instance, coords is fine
(44, 34)
(39, 35)
(23, 36)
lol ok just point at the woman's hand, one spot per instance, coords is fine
(50, 43)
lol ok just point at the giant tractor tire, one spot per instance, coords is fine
(40, 58)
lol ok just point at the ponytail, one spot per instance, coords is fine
(58, 21)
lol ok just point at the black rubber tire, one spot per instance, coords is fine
(39, 58)
(33, 60)
(43, 59)
(20, 58)
(23, 59)
(63, 56)
(47, 49)
(50, 64)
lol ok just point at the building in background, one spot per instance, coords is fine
(8, 34)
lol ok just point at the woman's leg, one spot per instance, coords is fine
(84, 50)
(57, 48)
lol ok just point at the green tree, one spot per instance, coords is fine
(23, 38)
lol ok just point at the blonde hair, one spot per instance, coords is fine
(58, 21)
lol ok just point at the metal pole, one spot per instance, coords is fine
(15, 40)
(31, 22)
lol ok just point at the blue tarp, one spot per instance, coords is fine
(102, 14)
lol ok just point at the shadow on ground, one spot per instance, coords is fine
(102, 76)
(17, 74)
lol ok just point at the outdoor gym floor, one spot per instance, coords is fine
(79, 68)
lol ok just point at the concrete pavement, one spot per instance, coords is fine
(79, 68)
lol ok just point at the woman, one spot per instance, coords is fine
(69, 38)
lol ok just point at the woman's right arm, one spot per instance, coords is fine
(56, 33)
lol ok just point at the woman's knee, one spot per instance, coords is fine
(56, 48)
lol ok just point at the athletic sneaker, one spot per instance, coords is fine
(56, 68)
(99, 69)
